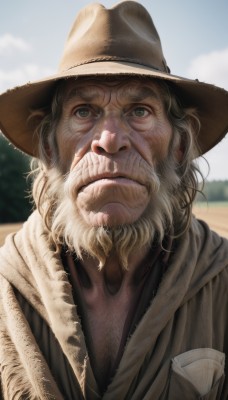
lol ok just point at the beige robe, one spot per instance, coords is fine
(176, 351)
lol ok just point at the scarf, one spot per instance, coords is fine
(29, 265)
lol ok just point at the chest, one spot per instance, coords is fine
(106, 323)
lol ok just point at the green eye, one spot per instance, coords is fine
(83, 112)
(140, 112)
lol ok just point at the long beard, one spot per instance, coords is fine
(68, 226)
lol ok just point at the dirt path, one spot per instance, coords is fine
(216, 217)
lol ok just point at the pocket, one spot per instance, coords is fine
(197, 374)
(215, 392)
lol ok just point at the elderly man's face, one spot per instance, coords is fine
(110, 136)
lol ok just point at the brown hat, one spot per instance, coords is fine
(118, 41)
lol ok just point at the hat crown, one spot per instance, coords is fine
(124, 32)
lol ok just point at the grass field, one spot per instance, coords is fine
(215, 214)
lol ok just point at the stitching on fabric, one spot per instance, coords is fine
(113, 58)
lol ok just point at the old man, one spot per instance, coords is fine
(112, 289)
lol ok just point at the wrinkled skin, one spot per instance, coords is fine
(109, 135)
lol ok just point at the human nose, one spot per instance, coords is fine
(112, 136)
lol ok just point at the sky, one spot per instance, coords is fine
(194, 36)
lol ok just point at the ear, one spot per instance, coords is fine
(179, 151)
(34, 120)
(48, 151)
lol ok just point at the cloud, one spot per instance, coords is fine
(217, 159)
(22, 75)
(14, 71)
(211, 68)
(10, 43)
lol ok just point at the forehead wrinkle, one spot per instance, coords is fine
(132, 93)
(87, 94)
(139, 94)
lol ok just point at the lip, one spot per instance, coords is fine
(110, 180)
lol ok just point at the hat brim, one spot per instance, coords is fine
(17, 103)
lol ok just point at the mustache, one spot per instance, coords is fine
(93, 167)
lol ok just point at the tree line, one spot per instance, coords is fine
(15, 204)
(15, 186)
(214, 191)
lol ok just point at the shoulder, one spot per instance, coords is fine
(211, 247)
(204, 254)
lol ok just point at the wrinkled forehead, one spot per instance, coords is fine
(134, 89)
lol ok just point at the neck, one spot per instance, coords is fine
(112, 277)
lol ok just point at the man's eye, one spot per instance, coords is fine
(83, 112)
(140, 112)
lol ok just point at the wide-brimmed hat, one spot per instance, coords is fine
(118, 41)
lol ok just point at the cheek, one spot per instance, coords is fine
(154, 146)
(72, 146)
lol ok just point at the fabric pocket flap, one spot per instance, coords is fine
(200, 367)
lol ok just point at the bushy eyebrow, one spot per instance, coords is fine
(131, 94)
(80, 94)
(140, 95)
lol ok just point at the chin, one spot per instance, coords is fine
(112, 217)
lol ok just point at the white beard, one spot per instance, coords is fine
(68, 227)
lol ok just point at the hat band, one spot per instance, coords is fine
(113, 58)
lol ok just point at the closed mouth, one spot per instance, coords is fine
(109, 178)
